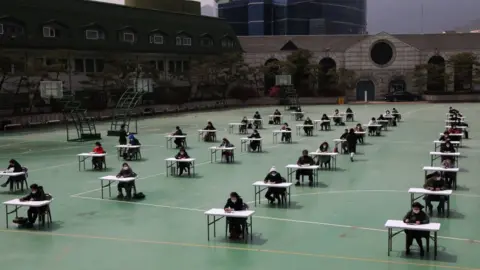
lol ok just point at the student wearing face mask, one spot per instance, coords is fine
(209, 136)
(286, 137)
(243, 126)
(125, 172)
(13, 167)
(415, 216)
(349, 114)
(274, 177)
(325, 122)
(36, 194)
(257, 123)
(182, 166)
(227, 153)
(447, 147)
(277, 117)
(351, 143)
(304, 160)
(345, 143)
(372, 130)
(178, 141)
(435, 183)
(323, 160)
(235, 203)
(98, 162)
(298, 115)
(359, 128)
(254, 144)
(308, 130)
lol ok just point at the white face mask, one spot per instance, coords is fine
(416, 211)
(274, 173)
(439, 178)
(182, 153)
(34, 191)
(125, 168)
(234, 200)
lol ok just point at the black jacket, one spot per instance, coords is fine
(351, 139)
(39, 196)
(303, 160)
(413, 218)
(126, 173)
(277, 179)
(255, 135)
(180, 156)
(444, 148)
(308, 122)
(122, 138)
(209, 128)
(344, 136)
(178, 132)
(237, 206)
(16, 167)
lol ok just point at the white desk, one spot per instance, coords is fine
(320, 122)
(245, 144)
(455, 136)
(18, 204)
(332, 155)
(376, 126)
(203, 132)
(215, 149)
(454, 171)
(299, 128)
(398, 116)
(272, 117)
(11, 173)
(121, 147)
(292, 168)
(218, 213)
(459, 127)
(339, 142)
(448, 121)
(260, 186)
(437, 144)
(84, 156)
(402, 226)
(424, 192)
(384, 124)
(294, 115)
(348, 116)
(362, 134)
(253, 120)
(112, 179)
(242, 128)
(455, 115)
(171, 162)
(436, 155)
(276, 132)
(170, 138)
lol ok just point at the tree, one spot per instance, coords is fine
(431, 78)
(346, 79)
(297, 64)
(465, 68)
(243, 93)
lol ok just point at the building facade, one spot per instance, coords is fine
(383, 63)
(294, 17)
(82, 35)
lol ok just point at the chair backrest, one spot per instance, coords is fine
(25, 170)
(245, 206)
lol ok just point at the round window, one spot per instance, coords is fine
(381, 53)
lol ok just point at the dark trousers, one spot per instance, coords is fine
(235, 226)
(127, 186)
(345, 147)
(324, 161)
(360, 138)
(98, 162)
(182, 166)
(242, 129)
(32, 214)
(373, 131)
(273, 193)
(417, 235)
(227, 155)
(298, 173)
(286, 137)
(349, 117)
(352, 148)
(325, 125)
(308, 131)
(178, 142)
(433, 198)
(254, 145)
(276, 120)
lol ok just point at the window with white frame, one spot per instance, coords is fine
(178, 41)
(156, 39)
(187, 41)
(48, 32)
(129, 37)
(92, 34)
(224, 43)
(1, 29)
(230, 43)
(206, 42)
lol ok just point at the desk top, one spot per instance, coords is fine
(11, 173)
(306, 167)
(222, 148)
(254, 119)
(117, 179)
(296, 112)
(336, 116)
(237, 124)
(27, 203)
(275, 115)
(180, 160)
(303, 125)
(339, 140)
(207, 130)
(323, 153)
(322, 121)
(221, 212)
(382, 121)
(447, 192)
(281, 131)
(445, 154)
(127, 146)
(176, 136)
(372, 125)
(399, 224)
(251, 139)
(454, 121)
(280, 185)
(453, 134)
(442, 142)
(459, 127)
(440, 169)
(360, 132)
(92, 155)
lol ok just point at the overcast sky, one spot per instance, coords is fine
(405, 16)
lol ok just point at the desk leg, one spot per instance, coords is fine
(193, 163)
(412, 198)
(255, 191)
(251, 229)
(6, 215)
(435, 245)
(109, 189)
(448, 206)
(431, 161)
(211, 155)
(79, 163)
(101, 184)
(208, 227)
(289, 195)
(389, 248)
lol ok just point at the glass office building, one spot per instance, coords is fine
(294, 17)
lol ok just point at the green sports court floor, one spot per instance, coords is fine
(336, 226)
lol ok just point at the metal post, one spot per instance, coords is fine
(366, 96)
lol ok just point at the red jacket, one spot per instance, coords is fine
(98, 150)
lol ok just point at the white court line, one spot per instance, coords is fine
(269, 218)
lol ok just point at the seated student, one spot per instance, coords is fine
(323, 160)
(275, 178)
(444, 136)
(254, 144)
(209, 136)
(182, 166)
(226, 153)
(36, 194)
(359, 128)
(344, 144)
(352, 143)
(277, 119)
(243, 127)
(125, 172)
(13, 167)
(396, 115)
(337, 118)
(449, 177)
(415, 216)
(387, 113)
(286, 136)
(372, 130)
(98, 161)
(381, 117)
(324, 123)
(349, 114)
(178, 141)
(304, 160)
(435, 183)
(455, 112)
(298, 115)
(132, 152)
(308, 130)
(235, 203)
(447, 147)
(257, 123)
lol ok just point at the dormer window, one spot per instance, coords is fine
(93, 34)
(49, 32)
(129, 37)
(178, 41)
(156, 39)
(206, 40)
(227, 43)
(187, 41)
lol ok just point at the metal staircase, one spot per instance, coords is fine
(123, 112)
(289, 97)
(77, 122)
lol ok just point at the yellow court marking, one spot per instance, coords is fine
(279, 252)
